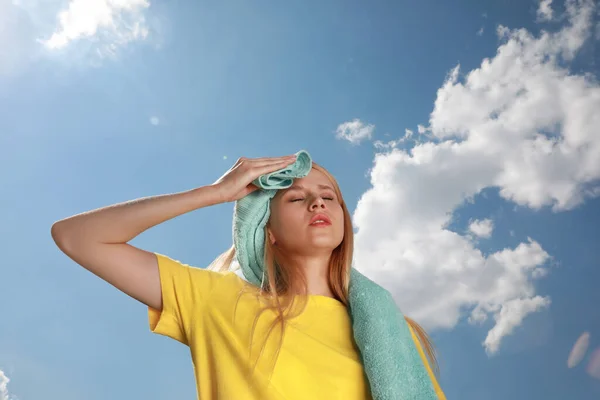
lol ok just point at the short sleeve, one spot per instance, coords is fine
(184, 291)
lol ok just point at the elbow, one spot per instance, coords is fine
(56, 230)
(59, 234)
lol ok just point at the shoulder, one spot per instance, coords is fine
(204, 280)
(202, 285)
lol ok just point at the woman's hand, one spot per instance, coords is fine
(237, 182)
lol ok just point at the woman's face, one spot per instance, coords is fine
(293, 210)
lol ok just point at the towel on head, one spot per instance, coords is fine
(390, 359)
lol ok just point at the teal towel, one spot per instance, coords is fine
(392, 364)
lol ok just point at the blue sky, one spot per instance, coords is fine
(464, 137)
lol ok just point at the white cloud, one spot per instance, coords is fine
(510, 316)
(544, 11)
(154, 120)
(4, 386)
(392, 144)
(480, 31)
(32, 30)
(482, 228)
(532, 121)
(522, 123)
(354, 131)
(421, 129)
(121, 20)
(378, 144)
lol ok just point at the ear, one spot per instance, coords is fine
(271, 237)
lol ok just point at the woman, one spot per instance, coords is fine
(287, 335)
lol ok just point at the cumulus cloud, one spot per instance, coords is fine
(391, 144)
(510, 316)
(544, 11)
(482, 228)
(522, 123)
(81, 30)
(378, 144)
(4, 386)
(122, 20)
(354, 131)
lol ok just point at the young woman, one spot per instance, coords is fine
(287, 338)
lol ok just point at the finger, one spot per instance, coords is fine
(253, 162)
(271, 167)
(263, 160)
(272, 162)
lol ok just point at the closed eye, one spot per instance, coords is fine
(325, 198)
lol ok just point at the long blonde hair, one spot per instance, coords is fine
(285, 287)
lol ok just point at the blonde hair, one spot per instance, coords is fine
(285, 288)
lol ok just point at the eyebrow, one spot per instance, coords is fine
(298, 186)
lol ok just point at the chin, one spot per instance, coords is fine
(323, 244)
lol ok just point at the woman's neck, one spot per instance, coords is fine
(316, 271)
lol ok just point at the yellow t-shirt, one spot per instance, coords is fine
(318, 358)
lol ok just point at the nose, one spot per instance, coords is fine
(318, 202)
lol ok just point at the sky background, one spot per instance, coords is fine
(465, 137)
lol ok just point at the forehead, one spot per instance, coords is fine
(314, 178)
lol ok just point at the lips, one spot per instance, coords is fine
(322, 217)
